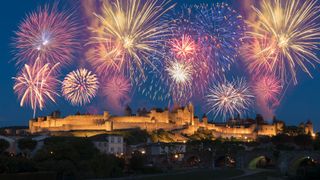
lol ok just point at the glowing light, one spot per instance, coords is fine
(36, 84)
(80, 86)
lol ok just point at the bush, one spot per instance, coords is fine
(104, 166)
(4, 145)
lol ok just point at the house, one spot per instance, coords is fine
(109, 144)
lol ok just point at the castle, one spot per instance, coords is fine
(180, 119)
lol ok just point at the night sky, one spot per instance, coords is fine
(299, 104)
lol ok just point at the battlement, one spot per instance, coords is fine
(179, 118)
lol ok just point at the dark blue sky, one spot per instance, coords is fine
(300, 102)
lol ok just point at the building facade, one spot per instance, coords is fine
(109, 144)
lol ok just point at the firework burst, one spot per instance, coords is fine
(80, 86)
(117, 90)
(183, 47)
(36, 84)
(268, 89)
(47, 34)
(117, 87)
(130, 32)
(223, 30)
(229, 99)
(179, 79)
(292, 32)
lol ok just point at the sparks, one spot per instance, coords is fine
(292, 33)
(47, 34)
(229, 99)
(80, 86)
(130, 32)
(36, 84)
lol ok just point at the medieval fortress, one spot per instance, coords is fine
(180, 120)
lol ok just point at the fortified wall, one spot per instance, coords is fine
(181, 119)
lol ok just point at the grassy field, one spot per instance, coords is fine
(202, 174)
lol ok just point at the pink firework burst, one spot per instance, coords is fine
(48, 34)
(268, 89)
(184, 47)
(36, 84)
(117, 89)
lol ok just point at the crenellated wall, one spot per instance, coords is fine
(181, 120)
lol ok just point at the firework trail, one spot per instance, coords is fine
(36, 84)
(80, 86)
(48, 35)
(229, 99)
(288, 33)
(128, 34)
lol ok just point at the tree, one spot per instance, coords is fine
(137, 161)
(27, 145)
(4, 145)
(303, 140)
(104, 166)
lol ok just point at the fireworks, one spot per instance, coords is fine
(80, 86)
(129, 32)
(268, 89)
(117, 89)
(185, 45)
(292, 32)
(36, 84)
(258, 56)
(153, 85)
(47, 34)
(180, 79)
(222, 32)
(229, 98)
(183, 48)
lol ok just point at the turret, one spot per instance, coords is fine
(56, 114)
(309, 128)
(41, 119)
(106, 114)
(205, 119)
(128, 111)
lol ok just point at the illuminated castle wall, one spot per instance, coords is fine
(180, 118)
